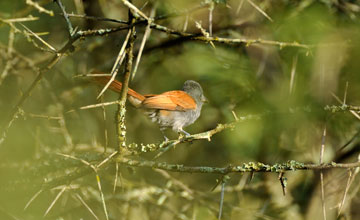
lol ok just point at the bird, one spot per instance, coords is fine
(170, 110)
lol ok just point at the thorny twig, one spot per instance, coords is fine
(250, 167)
(120, 115)
(66, 17)
(323, 138)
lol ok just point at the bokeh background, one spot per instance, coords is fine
(288, 85)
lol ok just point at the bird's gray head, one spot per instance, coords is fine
(194, 89)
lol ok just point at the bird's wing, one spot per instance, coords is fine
(172, 100)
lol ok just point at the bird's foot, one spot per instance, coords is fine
(166, 138)
(182, 133)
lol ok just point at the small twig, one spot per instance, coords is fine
(103, 104)
(86, 206)
(28, 34)
(33, 198)
(346, 191)
(322, 174)
(260, 10)
(11, 61)
(211, 10)
(235, 116)
(186, 23)
(39, 38)
(106, 159)
(293, 72)
(204, 33)
(55, 200)
(75, 158)
(165, 146)
(240, 6)
(221, 200)
(65, 132)
(352, 109)
(250, 41)
(345, 93)
(101, 32)
(14, 20)
(39, 8)
(96, 18)
(117, 64)
(116, 177)
(146, 36)
(92, 74)
(251, 177)
(283, 182)
(102, 196)
(135, 9)
(68, 22)
(11, 42)
(224, 179)
(43, 116)
(105, 127)
(8, 66)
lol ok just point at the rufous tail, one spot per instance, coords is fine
(134, 97)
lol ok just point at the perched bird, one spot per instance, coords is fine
(173, 109)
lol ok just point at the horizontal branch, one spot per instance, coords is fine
(249, 167)
(341, 108)
(102, 32)
(248, 42)
(134, 148)
(166, 145)
(190, 36)
(96, 18)
(245, 167)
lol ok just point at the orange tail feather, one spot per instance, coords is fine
(116, 86)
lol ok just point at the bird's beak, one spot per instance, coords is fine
(204, 99)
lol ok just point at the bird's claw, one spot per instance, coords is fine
(182, 133)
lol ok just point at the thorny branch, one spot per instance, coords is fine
(134, 149)
(68, 22)
(206, 39)
(75, 35)
(166, 145)
(246, 167)
(120, 116)
(250, 167)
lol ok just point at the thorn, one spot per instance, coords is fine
(251, 176)
(283, 182)
(235, 116)
(345, 93)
